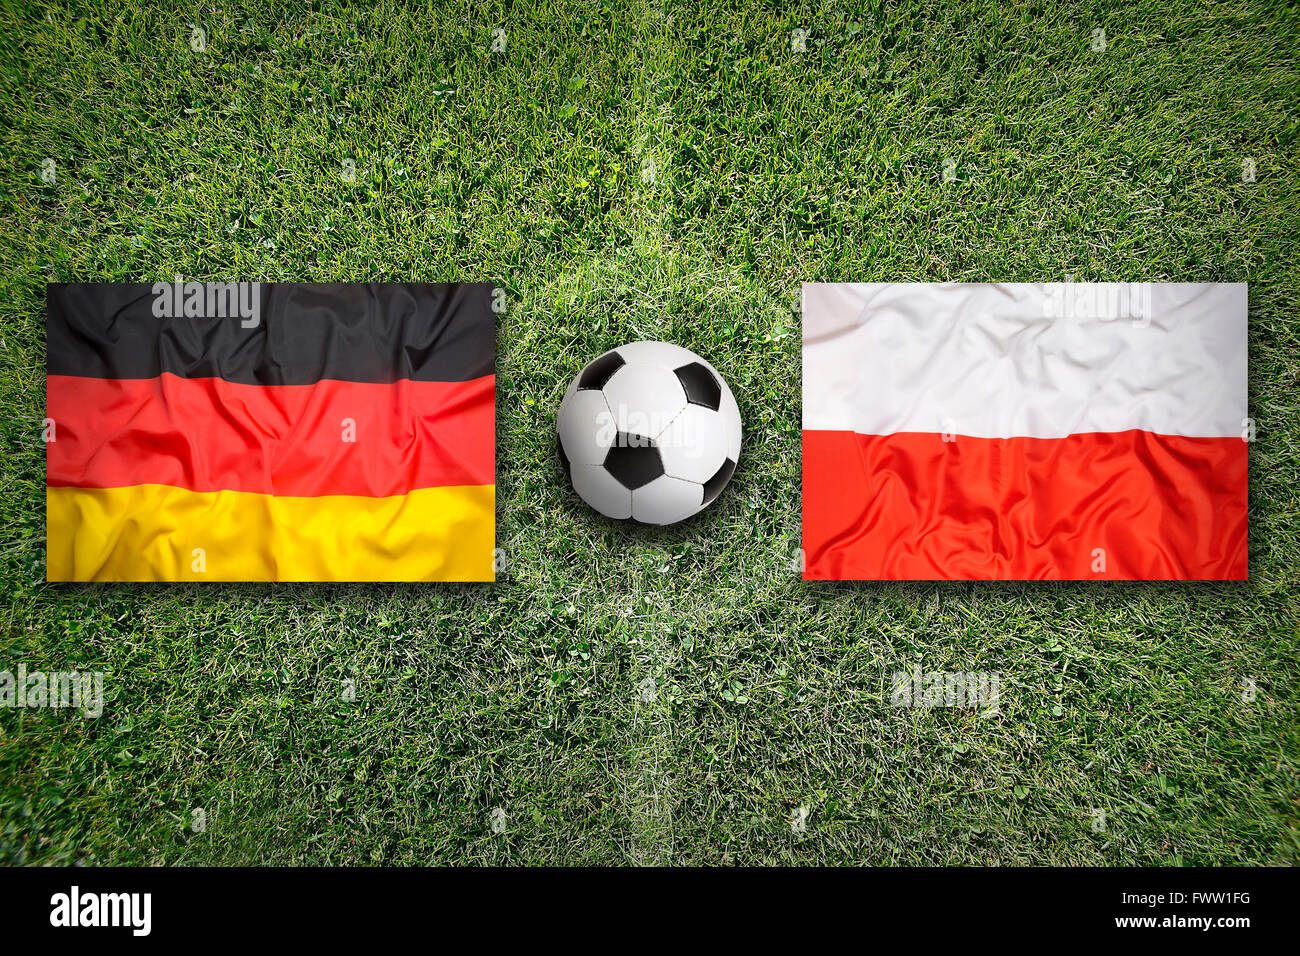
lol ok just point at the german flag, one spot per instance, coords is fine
(270, 432)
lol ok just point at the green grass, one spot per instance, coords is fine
(770, 167)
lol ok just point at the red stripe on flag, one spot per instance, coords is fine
(207, 434)
(911, 506)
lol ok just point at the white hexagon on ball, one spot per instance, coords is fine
(695, 445)
(644, 399)
(649, 431)
(584, 439)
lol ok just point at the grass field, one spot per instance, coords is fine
(645, 170)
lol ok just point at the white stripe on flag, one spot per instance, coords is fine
(1042, 360)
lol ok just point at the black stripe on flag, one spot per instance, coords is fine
(281, 334)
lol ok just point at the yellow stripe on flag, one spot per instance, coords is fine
(161, 533)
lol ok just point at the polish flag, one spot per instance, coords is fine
(1029, 431)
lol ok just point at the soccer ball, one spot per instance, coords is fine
(650, 432)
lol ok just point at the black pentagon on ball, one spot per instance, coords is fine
(598, 372)
(634, 461)
(713, 487)
(701, 385)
